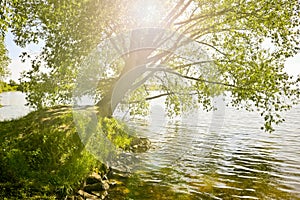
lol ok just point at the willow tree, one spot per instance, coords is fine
(247, 41)
(4, 60)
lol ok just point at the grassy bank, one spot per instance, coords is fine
(42, 156)
(8, 87)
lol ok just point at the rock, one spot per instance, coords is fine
(140, 145)
(101, 195)
(120, 175)
(104, 178)
(120, 170)
(95, 187)
(110, 173)
(114, 182)
(101, 186)
(93, 178)
(105, 185)
(74, 197)
(140, 141)
(104, 169)
(86, 195)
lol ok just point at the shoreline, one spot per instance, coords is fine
(44, 146)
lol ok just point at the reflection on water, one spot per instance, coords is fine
(187, 161)
(238, 162)
(13, 105)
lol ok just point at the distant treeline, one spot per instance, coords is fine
(10, 86)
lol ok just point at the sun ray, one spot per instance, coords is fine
(147, 12)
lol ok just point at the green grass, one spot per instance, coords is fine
(42, 156)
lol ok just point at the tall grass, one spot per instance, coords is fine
(42, 156)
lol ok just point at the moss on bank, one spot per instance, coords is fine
(42, 156)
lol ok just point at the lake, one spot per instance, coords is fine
(215, 155)
(13, 105)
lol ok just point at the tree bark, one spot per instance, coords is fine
(141, 46)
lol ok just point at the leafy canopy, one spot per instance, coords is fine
(4, 60)
(235, 33)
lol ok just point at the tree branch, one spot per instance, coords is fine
(199, 79)
(158, 96)
(194, 63)
(213, 14)
(172, 16)
(204, 43)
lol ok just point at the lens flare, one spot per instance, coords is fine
(147, 12)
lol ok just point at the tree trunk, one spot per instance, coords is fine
(135, 66)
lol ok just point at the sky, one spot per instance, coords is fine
(16, 67)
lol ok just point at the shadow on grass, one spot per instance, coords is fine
(42, 157)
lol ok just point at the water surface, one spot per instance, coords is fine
(236, 161)
(221, 155)
(13, 105)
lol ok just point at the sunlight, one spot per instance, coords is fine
(148, 12)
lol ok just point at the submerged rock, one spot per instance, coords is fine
(140, 145)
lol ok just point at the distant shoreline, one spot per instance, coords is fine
(9, 87)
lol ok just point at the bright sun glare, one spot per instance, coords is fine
(148, 12)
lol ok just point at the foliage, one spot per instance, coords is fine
(42, 155)
(116, 131)
(234, 32)
(8, 87)
(4, 60)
